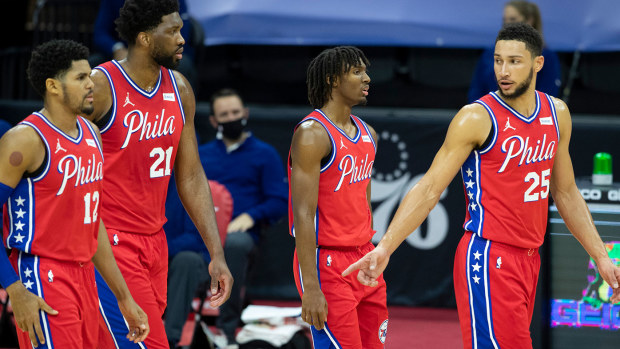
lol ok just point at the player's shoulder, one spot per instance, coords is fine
(311, 133)
(558, 104)
(472, 113)
(311, 127)
(21, 137)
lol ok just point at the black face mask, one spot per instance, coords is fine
(232, 129)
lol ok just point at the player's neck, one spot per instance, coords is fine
(524, 104)
(338, 113)
(62, 117)
(142, 69)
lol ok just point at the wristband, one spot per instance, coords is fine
(7, 273)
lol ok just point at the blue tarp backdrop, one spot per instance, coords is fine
(568, 25)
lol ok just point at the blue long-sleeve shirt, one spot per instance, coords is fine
(548, 79)
(253, 174)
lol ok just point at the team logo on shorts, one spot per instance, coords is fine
(329, 260)
(50, 276)
(383, 331)
(499, 263)
(115, 238)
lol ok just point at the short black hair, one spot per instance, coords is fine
(53, 59)
(525, 33)
(225, 92)
(142, 15)
(328, 66)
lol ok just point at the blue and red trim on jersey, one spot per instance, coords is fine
(114, 101)
(117, 326)
(321, 339)
(478, 285)
(28, 270)
(526, 119)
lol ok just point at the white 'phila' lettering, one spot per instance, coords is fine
(348, 167)
(136, 122)
(71, 167)
(515, 146)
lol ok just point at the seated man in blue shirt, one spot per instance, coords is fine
(253, 173)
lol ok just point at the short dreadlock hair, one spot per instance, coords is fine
(325, 68)
(142, 15)
(53, 59)
(525, 33)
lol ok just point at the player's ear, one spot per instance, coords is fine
(143, 39)
(539, 61)
(53, 86)
(333, 81)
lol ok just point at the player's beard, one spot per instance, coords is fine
(165, 60)
(84, 108)
(520, 90)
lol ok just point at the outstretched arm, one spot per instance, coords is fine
(195, 194)
(573, 208)
(468, 130)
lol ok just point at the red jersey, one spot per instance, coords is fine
(507, 183)
(54, 212)
(343, 217)
(140, 142)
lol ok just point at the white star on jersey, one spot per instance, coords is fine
(19, 237)
(19, 225)
(470, 184)
(20, 213)
(19, 201)
(476, 267)
(27, 272)
(477, 255)
(469, 172)
(471, 195)
(476, 279)
(28, 284)
(473, 206)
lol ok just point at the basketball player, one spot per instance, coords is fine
(51, 171)
(330, 163)
(145, 111)
(508, 174)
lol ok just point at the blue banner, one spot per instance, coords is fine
(567, 25)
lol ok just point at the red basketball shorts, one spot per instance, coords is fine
(495, 286)
(143, 261)
(69, 288)
(357, 315)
